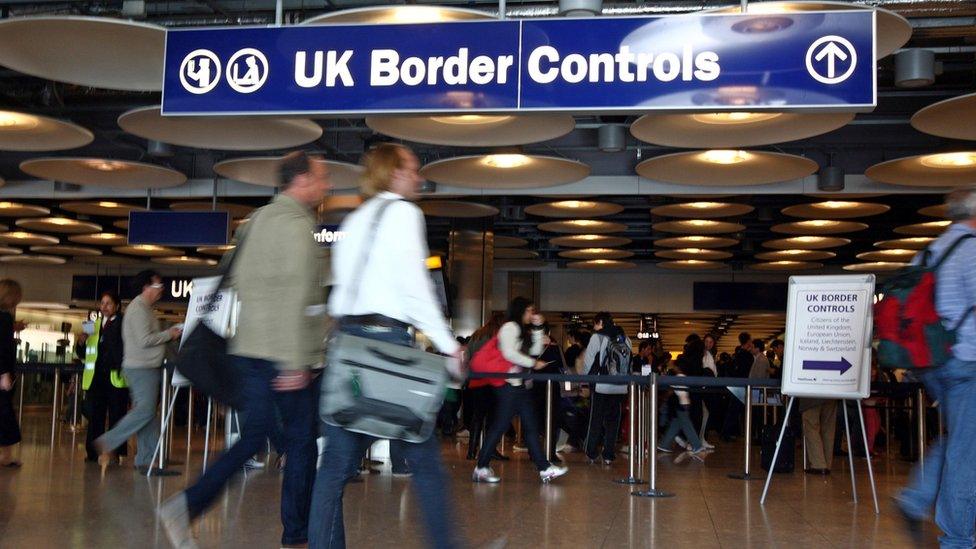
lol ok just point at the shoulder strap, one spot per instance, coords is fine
(367, 250)
(949, 251)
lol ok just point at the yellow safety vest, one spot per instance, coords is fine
(91, 356)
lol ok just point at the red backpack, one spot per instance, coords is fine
(489, 360)
(910, 332)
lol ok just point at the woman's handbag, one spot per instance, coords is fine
(489, 360)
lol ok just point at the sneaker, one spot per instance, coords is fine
(707, 445)
(406, 473)
(518, 448)
(681, 442)
(485, 474)
(665, 450)
(175, 517)
(566, 449)
(701, 450)
(607, 461)
(554, 471)
(253, 464)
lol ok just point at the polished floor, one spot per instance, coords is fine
(57, 500)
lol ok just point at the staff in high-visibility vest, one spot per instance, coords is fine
(102, 380)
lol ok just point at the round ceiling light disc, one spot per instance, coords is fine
(582, 226)
(15, 209)
(101, 207)
(893, 30)
(693, 253)
(263, 170)
(931, 228)
(835, 209)
(938, 210)
(215, 250)
(185, 261)
(564, 209)
(914, 243)
(474, 130)
(99, 239)
(702, 210)
(726, 167)
(796, 255)
(589, 241)
(392, 15)
(819, 226)
(897, 255)
(691, 265)
(503, 241)
(33, 259)
(121, 224)
(930, 170)
(102, 172)
(457, 209)
(63, 225)
(31, 132)
(225, 133)
(7, 250)
(71, 251)
(951, 118)
(806, 243)
(513, 264)
(786, 265)
(696, 241)
(98, 52)
(505, 171)
(515, 253)
(733, 129)
(596, 253)
(875, 267)
(236, 211)
(698, 226)
(601, 264)
(146, 250)
(28, 239)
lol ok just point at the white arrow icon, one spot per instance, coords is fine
(836, 50)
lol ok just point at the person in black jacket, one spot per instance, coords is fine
(741, 364)
(108, 397)
(10, 296)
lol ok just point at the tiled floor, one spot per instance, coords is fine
(57, 500)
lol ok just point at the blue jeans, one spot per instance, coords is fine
(681, 422)
(509, 402)
(948, 478)
(343, 452)
(298, 410)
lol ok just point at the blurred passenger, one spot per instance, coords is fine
(555, 364)
(607, 403)
(10, 296)
(689, 363)
(574, 351)
(819, 426)
(479, 395)
(947, 481)
(709, 361)
(103, 382)
(741, 367)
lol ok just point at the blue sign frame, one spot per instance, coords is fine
(823, 61)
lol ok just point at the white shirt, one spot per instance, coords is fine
(394, 282)
(510, 345)
(708, 362)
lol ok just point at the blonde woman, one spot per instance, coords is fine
(10, 296)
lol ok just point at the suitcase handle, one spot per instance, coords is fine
(390, 358)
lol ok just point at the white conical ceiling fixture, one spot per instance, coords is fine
(99, 52)
(459, 209)
(702, 210)
(263, 170)
(564, 209)
(31, 132)
(474, 130)
(505, 171)
(835, 209)
(733, 129)
(726, 167)
(952, 118)
(103, 172)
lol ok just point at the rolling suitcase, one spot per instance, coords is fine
(787, 452)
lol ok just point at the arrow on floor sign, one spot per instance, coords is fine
(841, 365)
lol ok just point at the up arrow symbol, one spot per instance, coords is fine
(832, 52)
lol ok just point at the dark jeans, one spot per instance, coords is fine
(604, 427)
(104, 402)
(509, 402)
(481, 401)
(730, 426)
(340, 462)
(298, 411)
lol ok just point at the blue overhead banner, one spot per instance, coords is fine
(705, 62)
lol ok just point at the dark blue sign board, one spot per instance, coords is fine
(699, 62)
(166, 228)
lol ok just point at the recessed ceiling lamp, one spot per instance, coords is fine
(30, 132)
(596, 253)
(27, 239)
(938, 210)
(98, 52)
(806, 243)
(514, 253)
(236, 211)
(146, 250)
(786, 265)
(931, 170)
(835, 209)
(505, 171)
(914, 243)
(693, 253)
(875, 267)
(819, 226)
(951, 118)
(733, 129)
(62, 225)
(588, 241)
(185, 261)
(392, 15)
(474, 130)
(215, 250)
(102, 207)
(226, 133)
(574, 208)
(702, 210)
(99, 239)
(457, 209)
(103, 172)
(698, 227)
(931, 228)
(601, 264)
(72, 251)
(15, 209)
(582, 226)
(691, 265)
(503, 241)
(696, 241)
(32, 259)
(263, 170)
(726, 167)
(893, 254)
(795, 255)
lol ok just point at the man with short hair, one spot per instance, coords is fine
(947, 481)
(778, 350)
(741, 367)
(607, 400)
(277, 273)
(760, 364)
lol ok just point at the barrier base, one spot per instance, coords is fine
(630, 480)
(652, 494)
(743, 476)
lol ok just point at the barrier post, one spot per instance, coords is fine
(189, 420)
(20, 404)
(748, 441)
(921, 429)
(54, 405)
(641, 426)
(548, 434)
(632, 473)
(163, 416)
(652, 491)
(74, 411)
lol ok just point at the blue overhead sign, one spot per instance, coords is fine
(704, 62)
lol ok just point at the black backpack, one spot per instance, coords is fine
(615, 359)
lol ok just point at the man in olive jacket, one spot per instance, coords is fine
(277, 273)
